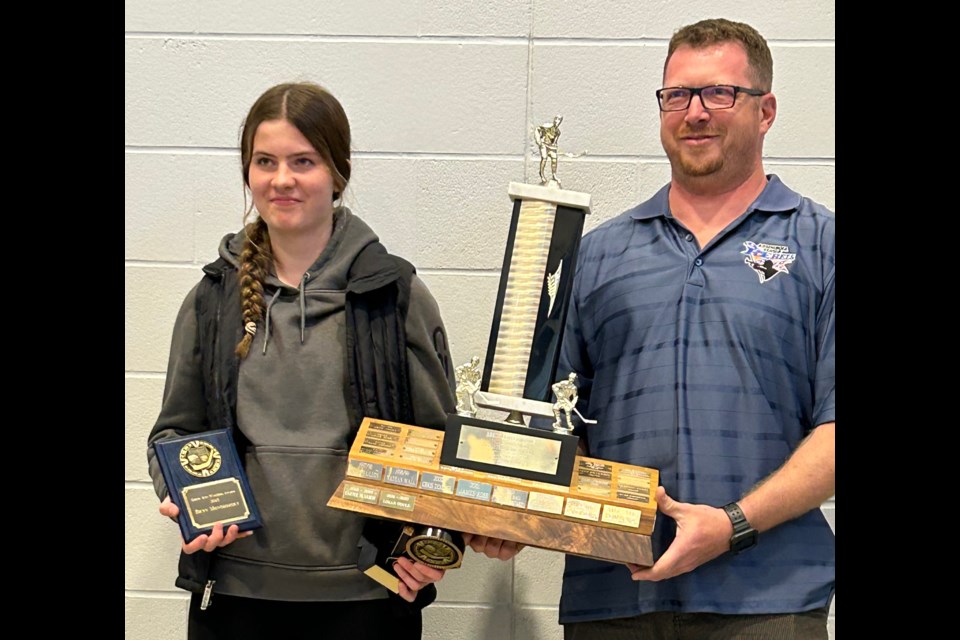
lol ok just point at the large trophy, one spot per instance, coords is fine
(502, 478)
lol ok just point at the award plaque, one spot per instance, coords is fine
(207, 483)
(606, 511)
(503, 479)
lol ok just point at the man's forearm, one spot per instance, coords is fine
(804, 481)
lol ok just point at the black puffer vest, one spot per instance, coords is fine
(377, 300)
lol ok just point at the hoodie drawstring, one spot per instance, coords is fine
(266, 338)
(303, 306)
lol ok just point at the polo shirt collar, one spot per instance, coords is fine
(776, 196)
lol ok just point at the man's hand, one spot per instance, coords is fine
(492, 547)
(703, 533)
(414, 576)
(207, 542)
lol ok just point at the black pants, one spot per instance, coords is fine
(229, 618)
(667, 625)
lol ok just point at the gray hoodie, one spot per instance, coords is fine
(291, 406)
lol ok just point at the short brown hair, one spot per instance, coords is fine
(719, 30)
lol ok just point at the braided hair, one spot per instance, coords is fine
(255, 260)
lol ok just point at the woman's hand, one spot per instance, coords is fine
(414, 576)
(492, 547)
(207, 542)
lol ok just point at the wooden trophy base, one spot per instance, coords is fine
(607, 512)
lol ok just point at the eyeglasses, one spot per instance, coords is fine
(717, 96)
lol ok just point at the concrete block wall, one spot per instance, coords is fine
(443, 97)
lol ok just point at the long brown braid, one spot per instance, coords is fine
(322, 121)
(255, 261)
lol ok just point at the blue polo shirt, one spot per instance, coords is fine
(710, 365)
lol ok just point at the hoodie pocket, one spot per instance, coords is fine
(292, 486)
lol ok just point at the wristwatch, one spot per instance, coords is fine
(744, 536)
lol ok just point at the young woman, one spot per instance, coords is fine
(278, 341)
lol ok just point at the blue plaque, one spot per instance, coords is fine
(474, 490)
(206, 481)
(437, 482)
(401, 476)
(364, 469)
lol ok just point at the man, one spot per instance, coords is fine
(701, 327)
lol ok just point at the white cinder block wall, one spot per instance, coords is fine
(443, 97)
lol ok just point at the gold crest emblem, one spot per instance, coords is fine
(200, 458)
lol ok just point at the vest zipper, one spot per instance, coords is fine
(207, 595)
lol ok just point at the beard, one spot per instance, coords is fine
(697, 167)
(694, 163)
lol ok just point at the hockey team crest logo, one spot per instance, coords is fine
(767, 260)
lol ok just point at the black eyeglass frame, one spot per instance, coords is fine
(698, 91)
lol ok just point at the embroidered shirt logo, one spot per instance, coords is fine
(767, 260)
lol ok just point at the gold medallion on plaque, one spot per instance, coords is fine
(200, 459)
(435, 548)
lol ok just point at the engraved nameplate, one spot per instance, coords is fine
(582, 509)
(545, 502)
(217, 501)
(438, 482)
(396, 500)
(510, 497)
(401, 476)
(474, 490)
(613, 514)
(633, 485)
(363, 469)
(360, 493)
(510, 450)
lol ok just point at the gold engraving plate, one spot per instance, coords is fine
(395, 500)
(582, 509)
(594, 487)
(420, 447)
(212, 502)
(613, 514)
(545, 502)
(594, 477)
(360, 493)
(381, 439)
(633, 485)
(510, 450)
(376, 451)
(374, 426)
(404, 443)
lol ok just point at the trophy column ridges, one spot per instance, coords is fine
(522, 298)
(538, 268)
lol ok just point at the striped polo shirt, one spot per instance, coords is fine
(710, 365)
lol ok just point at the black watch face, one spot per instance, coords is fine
(743, 541)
